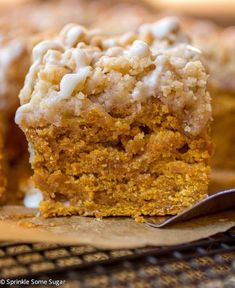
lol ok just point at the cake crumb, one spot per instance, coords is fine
(27, 224)
(139, 219)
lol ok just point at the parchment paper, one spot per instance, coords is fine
(23, 224)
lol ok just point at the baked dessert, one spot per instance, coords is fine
(117, 126)
(218, 47)
(118, 17)
(14, 62)
(15, 53)
(20, 27)
(29, 14)
(221, 179)
(3, 180)
(113, 17)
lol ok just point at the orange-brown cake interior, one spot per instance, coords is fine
(120, 164)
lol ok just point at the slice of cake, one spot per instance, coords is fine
(3, 181)
(20, 25)
(14, 62)
(218, 46)
(117, 126)
(15, 47)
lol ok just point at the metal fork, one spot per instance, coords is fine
(221, 201)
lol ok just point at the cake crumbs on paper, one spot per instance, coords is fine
(99, 215)
(139, 219)
(28, 224)
(16, 216)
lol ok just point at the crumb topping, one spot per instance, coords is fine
(82, 70)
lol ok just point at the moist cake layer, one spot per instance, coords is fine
(117, 126)
(120, 164)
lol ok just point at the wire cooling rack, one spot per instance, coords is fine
(208, 263)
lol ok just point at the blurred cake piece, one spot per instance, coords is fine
(221, 180)
(219, 11)
(14, 63)
(39, 15)
(3, 180)
(218, 47)
(117, 126)
(113, 17)
(15, 54)
(122, 16)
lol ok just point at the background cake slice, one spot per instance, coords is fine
(117, 126)
(15, 53)
(3, 180)
(218, 46)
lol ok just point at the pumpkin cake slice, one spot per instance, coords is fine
(21, 25)
(117, 126)
(3, 180)
(218, 46)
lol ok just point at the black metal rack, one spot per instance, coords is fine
(208, 263)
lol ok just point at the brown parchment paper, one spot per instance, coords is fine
(22, 224)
